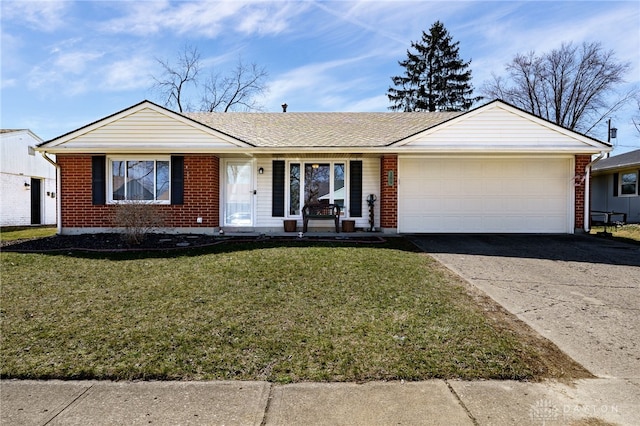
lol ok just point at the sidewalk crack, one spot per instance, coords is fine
(268, 406)
(82, 394)
(462, 404)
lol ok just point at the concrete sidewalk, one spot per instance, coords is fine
(433, 402)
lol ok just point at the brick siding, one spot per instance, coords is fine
(388, 193)
(201, 195)
(581, 162)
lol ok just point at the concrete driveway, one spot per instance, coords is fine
(580, 292)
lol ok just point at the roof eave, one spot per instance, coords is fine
(320, 149)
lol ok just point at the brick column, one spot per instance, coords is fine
(389, 191)
(581, 162)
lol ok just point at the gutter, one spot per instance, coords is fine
(58, 197)
(587, 191)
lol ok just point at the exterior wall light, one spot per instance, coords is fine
(261, 170)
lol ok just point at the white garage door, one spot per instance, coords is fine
(512, 195)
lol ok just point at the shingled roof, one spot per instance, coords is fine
(322, 129)
(629, 159)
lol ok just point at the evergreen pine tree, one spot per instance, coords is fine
(435, 78)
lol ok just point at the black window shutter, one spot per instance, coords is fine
(355, 189)
(615, 184)
(177, 179)
(277, 196)
(98, 179)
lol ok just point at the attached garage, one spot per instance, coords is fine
(476, 194)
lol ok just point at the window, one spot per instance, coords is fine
(316, 183)
(139, 180)
(628, 184)
(294, 189)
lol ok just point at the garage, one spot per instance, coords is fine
(485, 194)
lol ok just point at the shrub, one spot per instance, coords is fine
(137, 219)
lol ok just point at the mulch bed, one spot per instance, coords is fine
(112, 242)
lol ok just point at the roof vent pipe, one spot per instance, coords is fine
(284, 107)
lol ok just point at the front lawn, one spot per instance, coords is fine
(26, 232)
(259, 311)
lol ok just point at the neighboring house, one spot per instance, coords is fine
(614, 185)
(28, 181)
(492, 169)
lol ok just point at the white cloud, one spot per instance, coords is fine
(46, 80)
(75, 62)
(8, 83)
(371, 104)
(67, 72)
(45, 15)
(267, 19)
(323, 86)
(205, 19)
(128, 74)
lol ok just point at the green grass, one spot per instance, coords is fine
(10, 234)
(257, 311)
(629, 233)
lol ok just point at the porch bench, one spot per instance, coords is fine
(320, 211)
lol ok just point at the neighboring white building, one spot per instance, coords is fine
(27, 181)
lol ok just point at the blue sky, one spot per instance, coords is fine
(66, 64)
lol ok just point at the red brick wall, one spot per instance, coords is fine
(388, 194)
(581, 162)
(201, 195)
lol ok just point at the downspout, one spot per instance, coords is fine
(58, 197)
(587, 190)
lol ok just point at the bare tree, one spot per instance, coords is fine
(636, 119)
(175, 78)
(572, 86)
(235, 90)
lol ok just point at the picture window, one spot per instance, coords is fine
(144, 180)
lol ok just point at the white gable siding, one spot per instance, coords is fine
(496, 130)
(147, 131)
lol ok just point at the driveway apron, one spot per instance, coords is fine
(581, 292)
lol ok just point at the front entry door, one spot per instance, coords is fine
(238, 204)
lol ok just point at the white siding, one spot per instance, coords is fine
(514, 195)
(147, 130)
(263, 197)
(370, 185)
(17, 167)
(496, 129)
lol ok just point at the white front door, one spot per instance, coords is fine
(238, 197)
